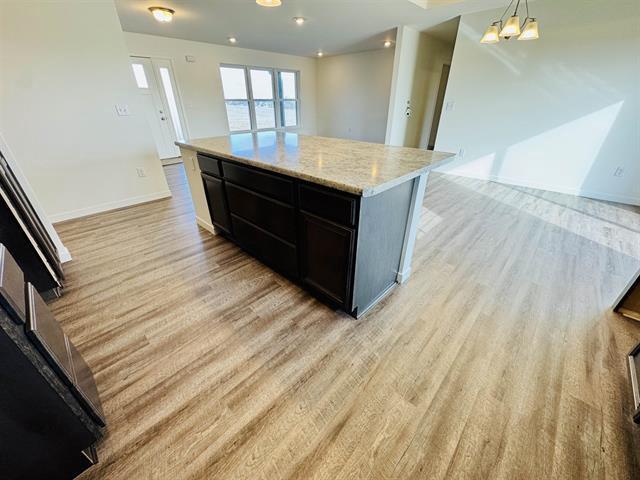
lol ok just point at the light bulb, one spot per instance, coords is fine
(299, 20)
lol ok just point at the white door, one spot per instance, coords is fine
(156, 83)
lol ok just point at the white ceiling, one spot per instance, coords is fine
(333, 26)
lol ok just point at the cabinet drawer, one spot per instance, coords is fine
(12, 286)
(209, 165)
(280, 255)
(327, 204)
(275, 217)
(273, 186)
(84, 386)
(47, 335)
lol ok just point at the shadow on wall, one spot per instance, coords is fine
(560, 113)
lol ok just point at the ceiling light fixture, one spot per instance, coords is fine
(320, 54)
(269, 3)
(299, 20)
(387, 43)
(528, 30)
(162, 14)
(233, 39)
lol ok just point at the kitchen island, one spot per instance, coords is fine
(338, 217)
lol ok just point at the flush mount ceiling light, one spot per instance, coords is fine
(233, 39)
(299, 20)
(320, 54)
(528, 30)
(387, 43)
(269, 3)
(162, 14)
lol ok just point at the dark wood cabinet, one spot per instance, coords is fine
(326, 260)
(50, 413)
(217, 201)
(343, 248)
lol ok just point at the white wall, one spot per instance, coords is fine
(63, 68)
(561, 113)
(200, 86)
(353, 95)
(416, 77)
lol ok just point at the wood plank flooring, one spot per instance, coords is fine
(499, 359)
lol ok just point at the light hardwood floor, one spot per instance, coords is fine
(499, 358)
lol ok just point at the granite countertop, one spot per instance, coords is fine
(355, 167)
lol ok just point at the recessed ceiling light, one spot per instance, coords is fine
(320, 54)
(233, 39)
(387, 43)
(162, 14)
(269, 3)
(299, 20)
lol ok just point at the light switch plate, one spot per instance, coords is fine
(123, 110)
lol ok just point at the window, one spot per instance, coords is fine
(141, 78)
(260, 98)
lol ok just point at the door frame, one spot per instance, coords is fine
(177, 91)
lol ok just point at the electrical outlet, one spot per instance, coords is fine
(190, 58)
(449, 106)
(123, 110)
(619, 172)
(141, 173)
(461, 153)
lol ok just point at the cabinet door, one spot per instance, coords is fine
(327, 257)
(216, 199)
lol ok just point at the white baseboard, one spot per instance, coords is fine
(608, 197)
(105, 207)
(64, 254)
(206, 225)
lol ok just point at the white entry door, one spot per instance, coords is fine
(156, 83)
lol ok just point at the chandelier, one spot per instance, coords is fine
(528, 30)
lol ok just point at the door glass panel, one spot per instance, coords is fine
(234, 84)
(261, 84)
(265, 114)
(238, 115)
(171, 100)
(141, 78)
(289, 113)
(287, 85)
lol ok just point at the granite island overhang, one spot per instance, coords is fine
(337, 216)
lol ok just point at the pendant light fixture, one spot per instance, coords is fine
(528, 30)
(269, 3)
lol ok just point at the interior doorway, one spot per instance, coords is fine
(442, 88)
(156, 83)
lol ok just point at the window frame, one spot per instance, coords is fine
(277, 101)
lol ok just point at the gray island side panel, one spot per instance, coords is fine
(382, 233)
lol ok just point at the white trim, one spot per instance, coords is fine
(105, 207)
(206, 225)
(608, 197)
(415, 209)
(65, 255)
